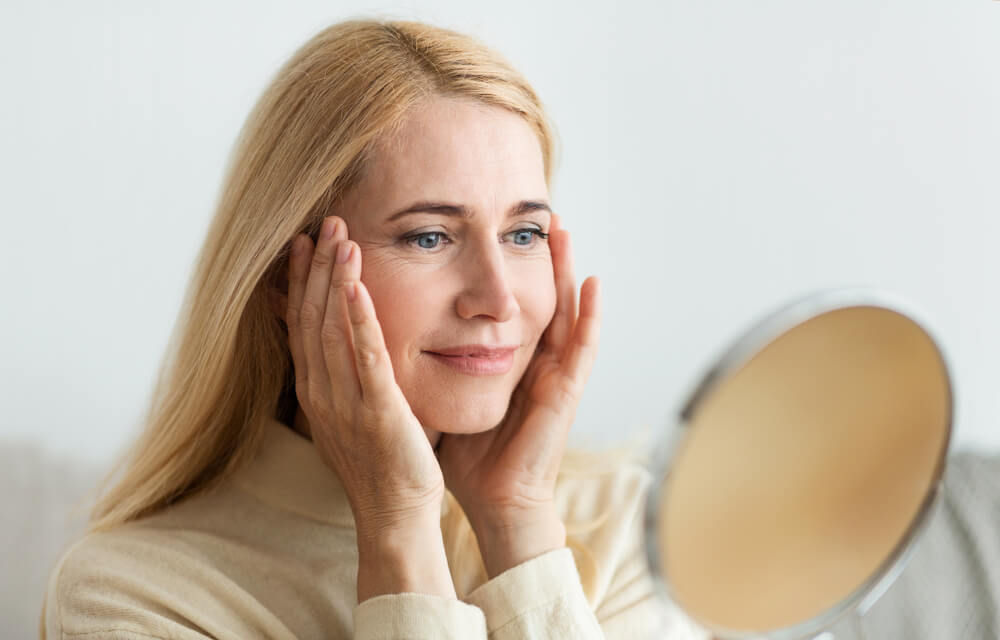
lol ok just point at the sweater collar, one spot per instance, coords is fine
(288, 474)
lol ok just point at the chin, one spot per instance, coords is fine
(472, 415)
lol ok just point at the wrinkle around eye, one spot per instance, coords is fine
(388, 261)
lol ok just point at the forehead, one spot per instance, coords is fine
(456, 150)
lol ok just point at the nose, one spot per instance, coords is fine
(486, 291)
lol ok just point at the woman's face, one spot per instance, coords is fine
(446, 218)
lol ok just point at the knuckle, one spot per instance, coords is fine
(337, 279)
(330, 334)
(565, 392)
(310, 316)
(367, 357)
(359, 321)
(321, 258)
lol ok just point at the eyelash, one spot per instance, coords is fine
(412, 239)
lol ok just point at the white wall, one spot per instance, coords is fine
(719, 159)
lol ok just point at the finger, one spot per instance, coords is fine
(338, 338)
(298, 269)
(312, 309)
(306, 377)
(378, 384)
(582, 350)
(563, 320)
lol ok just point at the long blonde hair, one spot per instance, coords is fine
(303, 146)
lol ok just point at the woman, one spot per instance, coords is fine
(360, 430)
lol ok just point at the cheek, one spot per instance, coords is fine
(405, 308)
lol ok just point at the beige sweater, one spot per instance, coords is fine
(271, 553)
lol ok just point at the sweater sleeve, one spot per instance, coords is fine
(544, 598)
(417, 616)
(540, 598)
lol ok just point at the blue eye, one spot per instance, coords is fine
(526, 237)
(429, 240)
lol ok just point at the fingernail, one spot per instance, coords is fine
(351, 291)
(329, 225)
(343, 252)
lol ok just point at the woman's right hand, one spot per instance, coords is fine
(359, 419)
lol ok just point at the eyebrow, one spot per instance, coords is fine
(461, 211)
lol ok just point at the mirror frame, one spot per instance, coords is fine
(759, 336)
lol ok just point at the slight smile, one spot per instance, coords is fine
(476, 360)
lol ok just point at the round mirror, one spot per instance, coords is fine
(806, 461)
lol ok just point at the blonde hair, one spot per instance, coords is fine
(304, 145)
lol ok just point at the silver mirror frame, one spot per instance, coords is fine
(732, 359)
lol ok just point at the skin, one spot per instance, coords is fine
(394, 423)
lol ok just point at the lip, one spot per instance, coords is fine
(477, 359)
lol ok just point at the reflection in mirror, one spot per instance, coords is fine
(807, 462)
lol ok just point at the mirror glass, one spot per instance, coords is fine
(807, 459)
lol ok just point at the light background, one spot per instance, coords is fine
(718, 159)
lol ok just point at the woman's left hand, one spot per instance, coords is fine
(505, 478)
